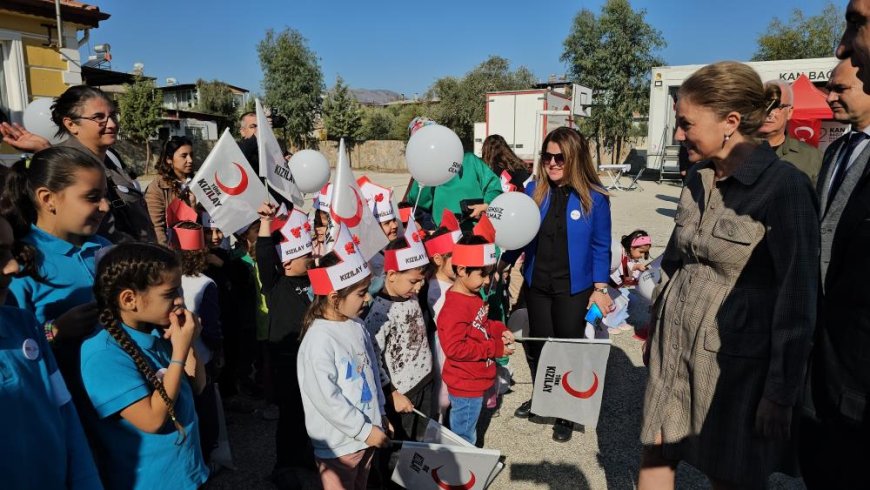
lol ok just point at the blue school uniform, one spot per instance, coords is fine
(136, 459)
(43, 445)
(67, 273)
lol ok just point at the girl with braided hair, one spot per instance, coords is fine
(141, 373)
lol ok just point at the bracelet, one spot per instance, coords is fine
(173, 361)
(49, 331)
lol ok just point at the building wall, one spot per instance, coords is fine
(33, 70)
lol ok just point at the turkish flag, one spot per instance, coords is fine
(807, 130)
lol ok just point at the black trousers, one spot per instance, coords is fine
(557, 315)
(292, 445)
(833, 454)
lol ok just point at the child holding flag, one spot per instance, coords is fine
(337, 370)
(283, 258)
(398, 328)
(470, 340)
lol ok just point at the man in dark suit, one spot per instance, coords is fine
(835, 431)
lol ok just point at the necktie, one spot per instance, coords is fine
(839, 173)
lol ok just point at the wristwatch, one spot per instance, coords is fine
(600, 290)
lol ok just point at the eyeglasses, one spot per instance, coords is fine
(557, 159)
(100, 118)
(781, 107)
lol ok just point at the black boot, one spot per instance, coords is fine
(563, 430)
(524, 410)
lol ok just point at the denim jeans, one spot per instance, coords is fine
(464, 413)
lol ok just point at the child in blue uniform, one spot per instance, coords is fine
(36, 413)
(142, 379)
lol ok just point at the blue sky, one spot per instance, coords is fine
(405, 46)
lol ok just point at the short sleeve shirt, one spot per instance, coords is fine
(66, 274)
(137, 459)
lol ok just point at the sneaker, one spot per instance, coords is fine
(524, 410)
(614, 330)
(563, 430)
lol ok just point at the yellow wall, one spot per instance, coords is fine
(44, 66)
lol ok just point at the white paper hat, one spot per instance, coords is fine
(324, 198)
(352, 269)
(379, 199)
(414, 255)
(296, 237)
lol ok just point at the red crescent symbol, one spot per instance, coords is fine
(352, 221)
(580, 394)
(804, 129)
(447, 486)
(233, 191)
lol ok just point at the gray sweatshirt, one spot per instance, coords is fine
(338, 377)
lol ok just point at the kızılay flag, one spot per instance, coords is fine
(570, 379)
(227, 187)
(348, 206)
(273, 165)
(427, 466)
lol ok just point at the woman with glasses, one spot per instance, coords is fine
(568, 265)
(175, 169)
(736, 306)
(90, 120)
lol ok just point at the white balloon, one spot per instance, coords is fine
(434, 155)
(649, 278)
(516, 219)
(37, 120)
(310, 170)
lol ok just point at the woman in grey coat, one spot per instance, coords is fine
(737, 303)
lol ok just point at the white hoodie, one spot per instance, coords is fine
(341, 392)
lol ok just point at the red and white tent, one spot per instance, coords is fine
(810, 111)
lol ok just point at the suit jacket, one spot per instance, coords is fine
(840, 366)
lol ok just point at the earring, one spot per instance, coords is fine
(52, 210)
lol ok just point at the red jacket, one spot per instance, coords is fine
(470, 344)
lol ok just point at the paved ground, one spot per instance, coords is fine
(606, 457)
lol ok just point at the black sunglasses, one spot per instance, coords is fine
(558, 157)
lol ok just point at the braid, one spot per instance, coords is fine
(137, 266)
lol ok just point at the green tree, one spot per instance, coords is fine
(378, 123)
(463, 100)
(292, 82)
(342, 115)
(801, 37)
(216, 97)
(613, 54)
(141, 108)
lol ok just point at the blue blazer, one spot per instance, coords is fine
(588, 240)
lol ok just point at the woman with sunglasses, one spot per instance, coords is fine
(90, 120)
(567, 265)
(175, 169)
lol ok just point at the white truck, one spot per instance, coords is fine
(524, 117)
